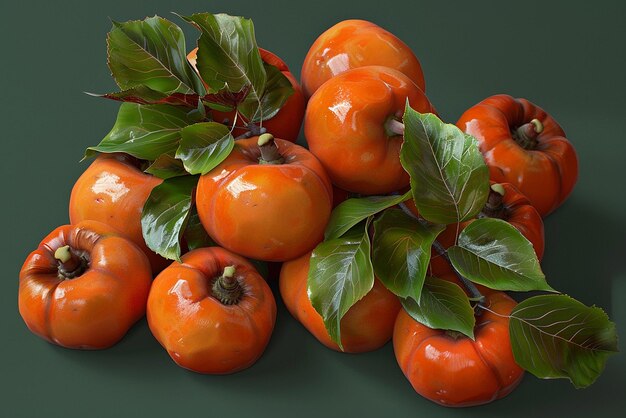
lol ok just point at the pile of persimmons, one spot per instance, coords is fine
(390, 224)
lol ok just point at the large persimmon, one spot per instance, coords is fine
(84, 286)
(353, 125)
(356, 43)
(366, 326)
(212, 312)
(269, 200)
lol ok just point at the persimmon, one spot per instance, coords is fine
(113, 190)
(212, 312)
(84, 286)
(451, 369)
(269, 200)
(356, 43)
(524, 145)
(366, 326)
(352, 125)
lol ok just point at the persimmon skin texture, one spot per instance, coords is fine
(345, 122)
(287, 122)
(113, 191)
(265, 211)
(198, 331)
(367, 326)
(454, 370)
(95, 309)
(356, 43)
(546, 174)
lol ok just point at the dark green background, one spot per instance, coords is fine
(568, 58)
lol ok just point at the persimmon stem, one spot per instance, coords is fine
(394, 127)
(253, 130)
(269, 150)
(471, 287)
(475, 294)
(407, 211)
(494, 208)
(526, 135)
(226, 287)
(71, 263)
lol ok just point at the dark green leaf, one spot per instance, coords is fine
(277, 90)
(352, 211)
(449, 178)
(144, 131)
(151, 53)
(204, 146)
(443, 305)
(199, 113)
(402, 252)
(228, 56)
(219, 107)
(165, 215)
(555, 336)
(340, 274)
(166, 166)
(493, 253)
(195, 234)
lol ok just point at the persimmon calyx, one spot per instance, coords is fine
(71, 262)
(226, 288)
(269, 150)
(393, 127)
(526, 135)
(494, 208)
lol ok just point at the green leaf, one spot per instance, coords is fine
(144, 131)
(204, 146)
(555, 336)
(340, 274)
(493, 253)
(225, 108)
(228, 56)
(151, 53)
(199, 114)
(402, 252)
(195, 234)
(449, 178)
(443, 305)
(352, 211)
(166, 166)
(277, 90)
(165, 215)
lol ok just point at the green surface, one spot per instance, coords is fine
(568, 57)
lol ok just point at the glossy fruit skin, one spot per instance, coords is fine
(95, 309)
(453, 370)
(113, 191)
(287, 122)
(367, 326)
(198, 331)
(345, 123)
(264, 211)
(352, 44)
(546, 174)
